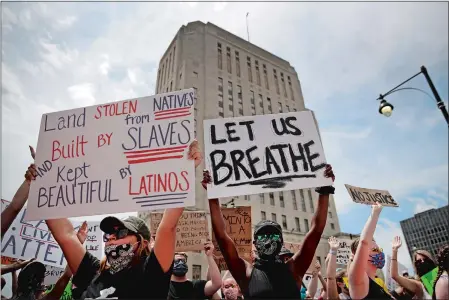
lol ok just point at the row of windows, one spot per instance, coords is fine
(294, 201)
(240, 101)
(250, 71)
(297, 222)
(419, 233)
(164, 73)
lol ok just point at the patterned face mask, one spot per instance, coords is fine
(378, 260)
(119, 256)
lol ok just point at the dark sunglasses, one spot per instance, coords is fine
(119, 234)
(272, 236)
(377, 249)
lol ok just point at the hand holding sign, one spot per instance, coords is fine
(206, 179)
(397, 243)
(195, 153)
(209, 248)
(376, 208)
(82, 233)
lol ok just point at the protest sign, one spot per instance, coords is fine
(261, 154)
(294, 247)
(67, 295)
(344, 252)
(52, 274)
(116, 157)
(32, 239)
(238, 227)
(370, 196)
(8, 260)
(192, 230)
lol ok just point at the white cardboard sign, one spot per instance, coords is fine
(116, 157)
(28, 239)
(261, 154)
(344, 252)
(370, 196)
(52, 274)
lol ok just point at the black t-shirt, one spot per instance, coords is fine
(145, 280)
(376, 291)
(187, 289)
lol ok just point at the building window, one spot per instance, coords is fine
(247, 197)
(270, 110)
(158, 80)
(311, 200)
(306, 225)
(295, 205)
(281, 199)
(240, 99)
(169, 63)
(253, 105)
(171, 85)
(273, 217)
(280, 107)
(230, 98)
(303, 202)
(262, 198)
(168, 70)
(332, 226)
(237, 63)
(163, 74)
(287, 108)
(257, 72)
(220, 57)
(228, 59)
(265, 77)
(196, 272)
(298, 228)
(330, 214)
(261, 104)
(276, 82)
(283, 84)
(271, 199)
(250, 72)
(284, 222)
(220, 97)
(195, 74)
(174, 56)
(290, 87)
(263, 215)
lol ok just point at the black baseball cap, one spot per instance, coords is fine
(133, 224)
(267, 223)
(285, 251)
(31, 277)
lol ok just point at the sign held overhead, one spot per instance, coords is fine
(370, 196)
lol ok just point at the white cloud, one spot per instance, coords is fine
(65, 22)
(55, 56)
(218, 6)
(83, 94)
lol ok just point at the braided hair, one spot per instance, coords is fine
(443, 265)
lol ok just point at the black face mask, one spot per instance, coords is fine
(180, 268)
(424, 267)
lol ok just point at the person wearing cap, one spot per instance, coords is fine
(270, 277)
(285, 254)
(131, 269)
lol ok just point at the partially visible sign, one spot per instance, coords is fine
(238, 227)
(192, 230)
(8, 260)
(28, 239)
(295, 247)
(370, 196)
(52, 274)
(265, 153)
(344, 252)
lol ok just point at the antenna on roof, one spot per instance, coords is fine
(247, 28)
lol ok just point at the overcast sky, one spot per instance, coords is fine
(58, 56)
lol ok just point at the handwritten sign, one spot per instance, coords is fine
(344, 252)
(8, 260)
(370, 196)
(28, 239)
(266, 153)
(116, 157)
(238, 227)
(52, 274)
(295, 247)
(192, 230)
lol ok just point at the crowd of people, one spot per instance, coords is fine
(136, 266)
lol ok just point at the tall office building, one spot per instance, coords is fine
(427, 230)
(232, 78)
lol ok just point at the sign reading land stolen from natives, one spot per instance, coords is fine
(192, 230)
(261, 154)
(238, 227)
(370, 196)
(116, 157)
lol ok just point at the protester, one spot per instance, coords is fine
(331, 268)
(313, 283)
(285, 254)
(230, 290)
(425, 268)
(182, 288)
(131, 269)
(270, 277)
(368, 257)
(411, 289)
(441, 284)
(342, 289)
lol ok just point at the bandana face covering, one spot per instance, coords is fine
(378, 260)
(231, 294)
(119, 256)
(268, 245)
(424, 267)
(180, 268)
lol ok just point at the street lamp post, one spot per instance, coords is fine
(386, 108)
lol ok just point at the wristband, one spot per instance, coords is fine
(332, 252)
(393, 259)
(325, 190)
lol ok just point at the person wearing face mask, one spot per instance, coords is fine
(30, 284)
(269, 276)
(230, 290)
(285, 254)
(182, 288)
(368, 257)
(426, 268)
(130, 269)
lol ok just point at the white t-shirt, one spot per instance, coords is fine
(344, 296)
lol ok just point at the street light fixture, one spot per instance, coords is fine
(386, 109)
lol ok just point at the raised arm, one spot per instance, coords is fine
(235, 263)
(412, 285)
(303, 258)
(358, 279)
(14, 283)
(331, 270)
(214, 283)
(164, 245)
(15, 266)
(313, 283)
